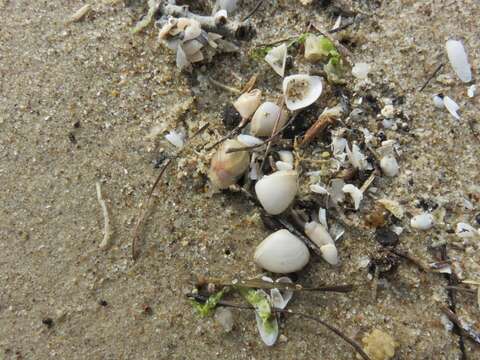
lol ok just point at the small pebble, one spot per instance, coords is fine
(423, 221)
(48, 322)
(386, 237)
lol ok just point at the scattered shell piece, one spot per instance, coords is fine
(282, 165)
(80, 13)
(268, 330)
(277, 59)
(248, 103)
(277, 191)
(176, 138)
(279, 298)
(318, 189)
(355, 193)
(438, 101)
(459, 60)
(357, 158)
(361, 70)
(393, 207)
(465, 230)
(226, 168)
(224, 317)
(452, 107)
(379, 345)
(318, 234)
(264, 119)
(329, 253)
(286, 156)
(422, 221)
(282, 252)
(107, 231)
(249, 140)
(389, 165)
(472, 89)
(301, 90)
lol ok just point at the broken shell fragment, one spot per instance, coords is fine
(438, 101)
(248, 103)
(361, 70)
(465, 230)
(301, 90)
(389, 165)
(277, 191)
(423, 221)
(355, 193)
(452, 107)
(227, 168)
(329, 253)
(282, 252)
(277, 59)
(318, 234)
(459, 60)
(264, 119)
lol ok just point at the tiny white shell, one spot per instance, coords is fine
(355, 193)
(452, 107)
(282, 165)
(286, 156)
(360, 70)
(301, 90)
(175, 138)
(282, 252)
(357, 158)
(472, 89)
(318, 234)
(422, 221)
(263, 121)
(438, 101)
(465, 230)
(249, 140)
(318, 189)
(277, 59)
(389, 165)
(277, 191)
(459, 60)
(248, 103)
(329, 253)
(268, 336)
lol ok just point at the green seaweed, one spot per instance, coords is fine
(206, 309)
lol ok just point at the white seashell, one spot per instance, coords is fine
(355, 193)
(472, 89)
(452, 107)
(268, 335)
(423, 221)
(192, 30)
(286, 294)
(459, 60)
(175, 138)
(464, 230)
(438, 101)
(286, 156)
(357, 159)
(318, 234)
(322, 217)
(248, 103)
(229, 5)
(277, 59)
(277, 191)
(282, 252)
(263, 121)
(282, 166)
(249, 140)
(301, 90)
(361, 70)
(226, 169)
(389, 165)
(329, 253)
(339, 144)
(318, 189)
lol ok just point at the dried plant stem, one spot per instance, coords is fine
(439, 67)
(224, 87)
(146, 205)
(234, 132)
(107, 231)
(411, 258)
(317, 129)
(335, 330)
(250, 14)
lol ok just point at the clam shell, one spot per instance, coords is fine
(459, 60)
(277, 59)
(248, 103)
(301, 90)
(318, 234)
(226, 169)
(277, 191)
(282, 252)
(264, 119)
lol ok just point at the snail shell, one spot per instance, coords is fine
(264, 119)
(282, 252)
(248, 102)
(226, 169)
(277, 191)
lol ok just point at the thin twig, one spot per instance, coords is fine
(224, 87)
(233, 132)
(343, 27)
(107, 231)
(414, 260)
(467, 329)
(431, 76)
(336, 331)
(250, 14)
(146, 205)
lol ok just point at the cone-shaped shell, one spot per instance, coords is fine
(282, 252)
(277, 191)
(264, 119)
(248, 103)
(226, 169)
(277, 59)
(301, 90)
(329, 254)
(318, 234)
